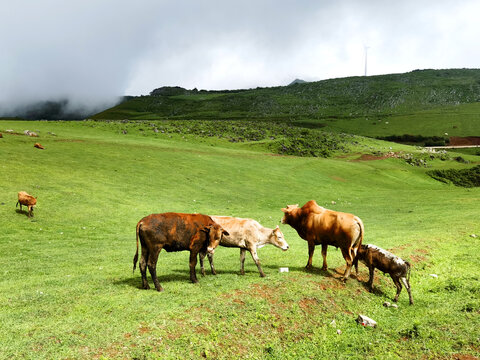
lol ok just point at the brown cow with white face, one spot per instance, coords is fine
(174, 232)
(320, 226)
(246, 234)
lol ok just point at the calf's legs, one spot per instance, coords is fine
(407, 286)
(255, 258)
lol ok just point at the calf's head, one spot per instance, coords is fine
(288, 213)
(214, 234)
(276, 238)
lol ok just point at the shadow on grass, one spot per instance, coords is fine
(22, 212)
(136, 280)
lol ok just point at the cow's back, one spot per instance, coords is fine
(239, 229)
(335, 225)
(173, 231)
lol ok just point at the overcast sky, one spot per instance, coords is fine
(93, 51)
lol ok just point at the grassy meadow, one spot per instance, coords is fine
(67, 290)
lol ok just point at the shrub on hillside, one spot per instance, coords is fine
(464, 177)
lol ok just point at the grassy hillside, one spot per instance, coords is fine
(67, 288)
(428, 102)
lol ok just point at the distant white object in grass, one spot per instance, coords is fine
(473, 235)
(339, 332)
(366, 321)
(283, 269)
(434, 275)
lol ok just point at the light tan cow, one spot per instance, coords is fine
(26, 200)
(246, 234)
(320, 226)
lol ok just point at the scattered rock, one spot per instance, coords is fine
(434, 275)
(386, 304)
(283, 269)
(339, 332)
(366, 321)
(333, 202)
(38, 146)
(9, 131)
(30, 133)
(473, 236)
(395, 306)
(333, 323)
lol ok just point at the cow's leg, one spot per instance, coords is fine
(201, 256)
(152, 267)
(253, 252)
(399, 287)
(347, 255)
(324, 256)
(311, 250)
(193, 263)
(407, 286)
(210, 260)
(371, 271)
(143, 267)
(242, 261)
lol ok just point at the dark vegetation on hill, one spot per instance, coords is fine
(373, 96)
(463, 177)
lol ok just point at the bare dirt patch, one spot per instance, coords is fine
(464, 141)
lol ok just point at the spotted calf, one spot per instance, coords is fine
(377, 258)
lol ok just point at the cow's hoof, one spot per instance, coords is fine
(146, 287)
(214, 273)
(160, 289)
(262, 275)
(308, 267)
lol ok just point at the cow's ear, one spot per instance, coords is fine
(277, 228)
(285, 210)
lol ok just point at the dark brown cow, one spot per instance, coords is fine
(174, 232)
(383, 260)
(26, 200)
(320, 226)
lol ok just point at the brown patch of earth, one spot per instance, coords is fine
(370, 157)
(338, 178)
(464, 141)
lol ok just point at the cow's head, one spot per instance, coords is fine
(214, 236)
(287, 213)
(277, 239)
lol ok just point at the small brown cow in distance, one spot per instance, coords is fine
(26, 200)
(174, 232)
(320, 226)
(383, 260)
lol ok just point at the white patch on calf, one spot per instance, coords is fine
(388, 255)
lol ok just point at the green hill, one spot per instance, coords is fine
(428, 102)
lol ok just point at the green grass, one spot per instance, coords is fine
(68, 291)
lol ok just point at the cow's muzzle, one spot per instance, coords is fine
(211, 250)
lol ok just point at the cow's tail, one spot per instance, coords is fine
(135, 258)
(359, 240)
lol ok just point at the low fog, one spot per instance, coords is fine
(88, 54)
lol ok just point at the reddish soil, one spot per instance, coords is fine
(463, 141)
